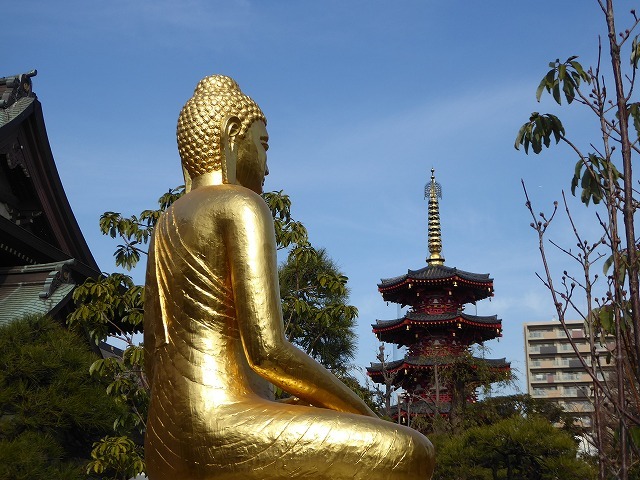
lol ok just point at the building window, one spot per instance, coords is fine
(577, 333)
(571, 391)
(541, 346)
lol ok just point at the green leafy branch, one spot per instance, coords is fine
(289, 232)
(135, 231)
(118, 457)
(110, 305)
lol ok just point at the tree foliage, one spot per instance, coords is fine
(116, 458)
(314, 304)
(493, 409)
(135, 231)
(51, 409)
(464, 375)
(113, 306)
(513, 448)
(608, 302)
(510, 437)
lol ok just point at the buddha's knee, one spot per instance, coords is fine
(420, 456)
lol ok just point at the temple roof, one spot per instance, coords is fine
(444, 318)
(36, 220)
(43, 253)
(42, 289)
(15, 96)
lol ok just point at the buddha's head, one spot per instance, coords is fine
(220, 129)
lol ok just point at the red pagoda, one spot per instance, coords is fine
(438, 374)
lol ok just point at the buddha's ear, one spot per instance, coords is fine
(187, 180)
(230, 129)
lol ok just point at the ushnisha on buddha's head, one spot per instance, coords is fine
(222, 136)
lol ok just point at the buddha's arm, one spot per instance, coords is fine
(251, 248)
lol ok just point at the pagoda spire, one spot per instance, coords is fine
(433, 191)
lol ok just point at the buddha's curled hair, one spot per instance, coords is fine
(199, 126)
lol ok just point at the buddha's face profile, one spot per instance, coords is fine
(251, 157)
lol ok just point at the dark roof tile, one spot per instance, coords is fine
(443, 317)
(430, 361)
(436, 272)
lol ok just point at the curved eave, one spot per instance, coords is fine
(407, 289)
(434, 281)
(26, 120)
(496, 364)
(407, 375)
(491, 322)
(436, 273)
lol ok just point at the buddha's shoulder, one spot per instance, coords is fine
(223, 199)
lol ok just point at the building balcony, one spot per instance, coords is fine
(548, 350)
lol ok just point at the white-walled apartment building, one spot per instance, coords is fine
(554, 371)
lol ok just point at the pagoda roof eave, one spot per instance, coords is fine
(427, 363)
(423, 319)
(433, 273)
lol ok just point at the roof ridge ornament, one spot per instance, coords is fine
(16, 87)
(433, 191)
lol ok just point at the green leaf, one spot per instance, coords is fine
(634, 433)
(569, 91)
(556, 94)
(576, 177)
(562, 72)
(606, 318)
(538, 132)
(577, 67)
(520, 138)
(635, 52)
(607, 264)
(540, 89)
(634, 112)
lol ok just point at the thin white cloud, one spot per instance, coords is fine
(132, 18)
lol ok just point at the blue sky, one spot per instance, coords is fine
(362, 99)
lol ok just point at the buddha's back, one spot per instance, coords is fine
(196, 361)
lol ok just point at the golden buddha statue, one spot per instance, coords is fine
(214, 337)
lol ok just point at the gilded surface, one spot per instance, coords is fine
(214, 335)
